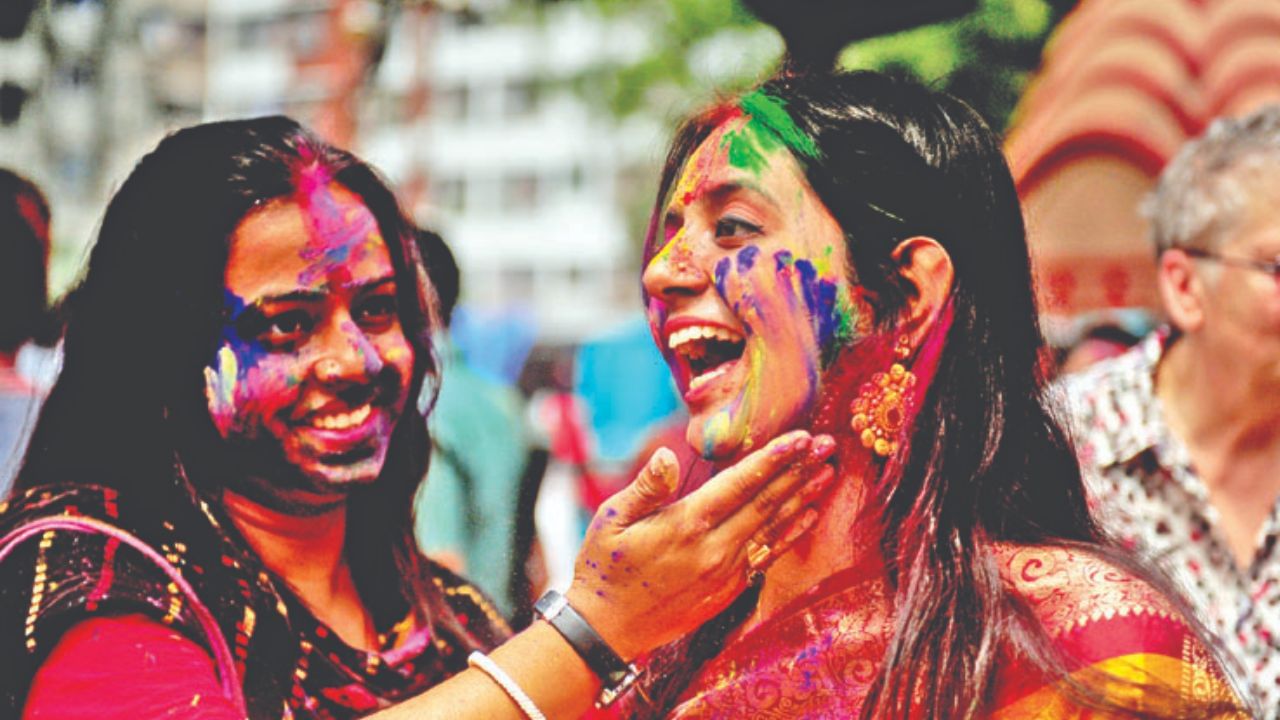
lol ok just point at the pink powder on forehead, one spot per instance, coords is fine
(310, 177)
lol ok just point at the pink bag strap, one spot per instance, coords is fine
(222, 657)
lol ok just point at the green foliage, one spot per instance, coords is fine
(984, 57)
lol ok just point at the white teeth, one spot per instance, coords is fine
(342, 421)
(698, 332)
(708, 376)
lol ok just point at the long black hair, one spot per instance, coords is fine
(986, 462)
(147, 317)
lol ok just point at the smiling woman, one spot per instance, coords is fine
(215, 521)
(845, 254)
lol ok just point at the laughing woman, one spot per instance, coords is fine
(846, 254)
(214, 519)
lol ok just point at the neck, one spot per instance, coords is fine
(844, 537)
(305, 550)
(1215, 409)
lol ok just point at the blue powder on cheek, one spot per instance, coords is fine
(782, 260)
(820, 298)
(248, 351)
(747, 258)
(721, 274)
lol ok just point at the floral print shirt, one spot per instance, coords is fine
(1145, 490)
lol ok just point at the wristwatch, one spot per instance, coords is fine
(617, 675)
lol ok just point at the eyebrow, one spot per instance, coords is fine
(720, 191)
(318, 295)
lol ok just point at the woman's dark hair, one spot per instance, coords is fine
(986, 461)
(147, 318)
(24, 259)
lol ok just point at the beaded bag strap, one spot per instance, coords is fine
(217, 644)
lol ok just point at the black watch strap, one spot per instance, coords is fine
(616, 674)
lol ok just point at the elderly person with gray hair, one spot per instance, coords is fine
(1182, 434)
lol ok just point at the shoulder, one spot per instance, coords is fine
(1070, 589)
(1106, 619)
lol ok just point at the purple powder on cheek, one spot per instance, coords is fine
(616, 555)
(820, 299)
(747, 258)
(720, 275)
(782, 260)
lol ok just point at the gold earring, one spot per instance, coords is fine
(883, 403)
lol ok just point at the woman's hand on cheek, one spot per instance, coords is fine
(652, 570)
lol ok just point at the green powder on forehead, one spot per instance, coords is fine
(747, 147)
(771, 112)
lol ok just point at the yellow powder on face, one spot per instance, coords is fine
(220, 383)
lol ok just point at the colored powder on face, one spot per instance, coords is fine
(713, 432)
(721, 275)
(747, 148)
(747, 258)
(220, 387)
(830, 307)
(340, 234)
(771, 112)
(783, 259)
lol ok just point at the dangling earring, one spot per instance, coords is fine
(883, 404)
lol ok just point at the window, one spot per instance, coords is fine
(520, 192)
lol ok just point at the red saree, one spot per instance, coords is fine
(818, 657)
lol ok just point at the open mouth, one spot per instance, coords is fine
(707, 350)
(341, 420)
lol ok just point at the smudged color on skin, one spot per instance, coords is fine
(803, 281)
(771, 112)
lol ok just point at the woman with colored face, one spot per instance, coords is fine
(214, 519)
(844, 254)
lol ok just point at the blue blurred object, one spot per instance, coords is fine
(627, 388)
(494, 344)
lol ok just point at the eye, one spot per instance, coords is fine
(286, 328)
(733, 228)
(377, 313)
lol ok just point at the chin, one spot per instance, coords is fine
(720, 439)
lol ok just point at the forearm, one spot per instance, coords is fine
(538, 660)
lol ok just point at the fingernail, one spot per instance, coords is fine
(662, 459)
(791, 443)
(822, 447)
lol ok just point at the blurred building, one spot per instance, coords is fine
(478, 120)
(471, 111)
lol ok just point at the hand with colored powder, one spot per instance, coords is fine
(653, 569)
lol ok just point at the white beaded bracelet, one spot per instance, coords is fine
(481, 662)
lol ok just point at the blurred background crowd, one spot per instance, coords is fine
(527, 134)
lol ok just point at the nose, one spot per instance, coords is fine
(346, 355)
(675, 271)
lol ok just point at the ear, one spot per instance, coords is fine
(1181, 289)
(926, 267)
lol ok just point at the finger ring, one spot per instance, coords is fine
(757, 554)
